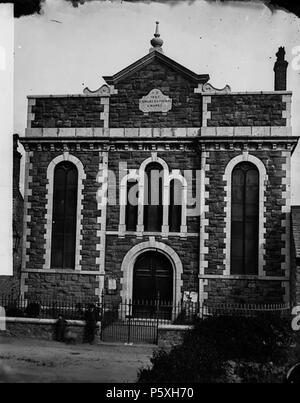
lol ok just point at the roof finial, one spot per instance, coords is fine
(156, 42)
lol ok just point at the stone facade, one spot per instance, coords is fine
(206, 131)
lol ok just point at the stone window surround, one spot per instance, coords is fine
(204, 223)
(102, 179)
(49, 207)
(139, 177)
(130, 259)
(245, 157)
(286, 210)
(26, 221)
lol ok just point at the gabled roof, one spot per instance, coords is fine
(296, 228)
(190, 75)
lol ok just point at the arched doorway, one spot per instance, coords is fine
(152, 277)
(140, 249)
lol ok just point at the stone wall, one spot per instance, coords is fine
(186, 105)
(67, 111)
(59, 286)
(239, 291)
(44, 329)
(171, 335)
(246, 110)
(123, 107)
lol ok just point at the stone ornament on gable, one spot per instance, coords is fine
(103, 90)
(155, 101)
(209, 89)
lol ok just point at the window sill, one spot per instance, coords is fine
(146, 233)
(242, 277)
(63, 271)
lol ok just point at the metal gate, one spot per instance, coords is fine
(135, 322)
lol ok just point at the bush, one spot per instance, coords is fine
(207, 351)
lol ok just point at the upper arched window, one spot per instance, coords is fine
(175, 206)
(131, 205)
(64, 216)
(153, 197)
(244, 219)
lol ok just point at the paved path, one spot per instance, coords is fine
(31, 360)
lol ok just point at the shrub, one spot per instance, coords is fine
(261, 339)
(255, 346)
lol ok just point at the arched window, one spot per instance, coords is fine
(64, 216)
(244, 219)
(153, 206)
(175, 206)
(131, 205)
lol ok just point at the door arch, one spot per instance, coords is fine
(153, 276)
(131, 257)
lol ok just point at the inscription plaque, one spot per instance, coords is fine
(155, 101)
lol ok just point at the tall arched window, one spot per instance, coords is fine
(64, 216)
(153, 206)
(244, 219)
(175, 206)
(131, 205)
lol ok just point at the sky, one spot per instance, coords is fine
(65, 49)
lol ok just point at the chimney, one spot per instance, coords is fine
(280, 69)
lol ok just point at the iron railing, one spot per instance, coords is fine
(46, 308)
(110, 310)
(244, 309)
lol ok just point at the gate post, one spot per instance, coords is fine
(129, 318)
(102, 315)
(157, 316)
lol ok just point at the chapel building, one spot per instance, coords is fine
(158, 182)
